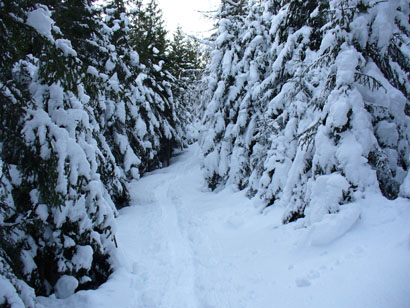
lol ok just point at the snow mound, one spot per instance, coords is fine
(327, 192)
(334, 226)
(65, 286)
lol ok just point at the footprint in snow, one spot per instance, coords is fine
(302, 283)
(306, 282)
(134, 268)
(313, 275)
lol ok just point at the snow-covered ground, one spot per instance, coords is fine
(181, 246)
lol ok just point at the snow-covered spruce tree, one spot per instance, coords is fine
(332, 109)
(357, 140)
(56, 220)
(115, 75)
(225, 85)
(81, 23)
(293, 39)
(80, 118)
(186, 65)
(178, 59)
(162, 124)
(13, 290)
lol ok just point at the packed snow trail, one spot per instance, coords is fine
(181, 246)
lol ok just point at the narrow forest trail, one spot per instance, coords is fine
(174, 245)
(181, 246)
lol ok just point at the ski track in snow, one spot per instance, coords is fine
(182, 274)
(181, 246)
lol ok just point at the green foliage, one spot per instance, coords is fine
(30, 172)
(83, 111)
(186, 65)
(148, 33)
(293, 88)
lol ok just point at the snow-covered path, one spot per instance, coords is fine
(174, 244)
(167, 246)
(181, 246)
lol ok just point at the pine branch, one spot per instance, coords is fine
(201, 41)
(368, 81)
(368, 6)
(306, 137)
(207, 12)
(232, 3)
(317, 62)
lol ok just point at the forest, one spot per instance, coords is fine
(302, 106)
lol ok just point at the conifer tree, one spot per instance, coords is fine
(116, 75)
(185, 57)
(317, 110)
(56, 220)
(185, 63)
(148, 32)
(224, 91)
(12, 96)
(148, 37)
(81, 23)
(81, 116)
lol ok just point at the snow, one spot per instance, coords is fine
(135, 58)
(383, 25)
(114, 83)
(116, 27)
(387, 133)
(42, 212)
(28, 262)
(346, 62)
(109, 65)
(8, 294)
(141, 127)
(338, 112)
(68, 242)
(92, 71)
(360, 30)
(333, 226)
(181, 246)
(65, 286)
(15, 175)
(66, 47)
(327, 193)
(83, 257)
(405, 187)
(40, 20)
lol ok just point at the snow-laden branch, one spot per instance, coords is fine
(232, 3)
(201, 41)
